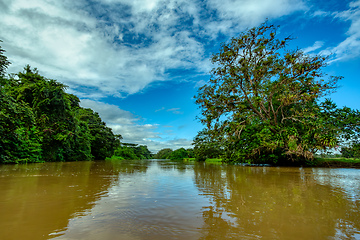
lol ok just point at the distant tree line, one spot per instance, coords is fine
(40, 122)
(132, 152)
(178, 154)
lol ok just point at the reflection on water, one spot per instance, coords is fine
(38, 199)
(171, 200)
(278, 203)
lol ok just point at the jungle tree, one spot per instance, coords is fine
(39, 121)
(205, 146)
(103, 141)
(163, 153)
(18, 142)
(262, 102)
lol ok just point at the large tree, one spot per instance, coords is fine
(205, 146)
(39, 121)
(4, 62)
(262, 102)
(163, 153)
(18, 142)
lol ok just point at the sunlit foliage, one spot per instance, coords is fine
(263, 102)
(132, 152)
(39, 121)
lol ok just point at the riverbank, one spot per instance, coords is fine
(337, 162)
(318, 162)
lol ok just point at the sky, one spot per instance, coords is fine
(139, 63)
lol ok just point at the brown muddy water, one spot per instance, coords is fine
(158, 199)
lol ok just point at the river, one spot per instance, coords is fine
(159, 199)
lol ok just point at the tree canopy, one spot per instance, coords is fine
(163, 153)
(39, 121)
(4, 62)
(178, 154)
(265, 103)
(132, 151)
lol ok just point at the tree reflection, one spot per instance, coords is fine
(273, 203)
(170, 165)
(39, 199)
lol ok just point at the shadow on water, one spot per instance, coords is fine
(279, 203)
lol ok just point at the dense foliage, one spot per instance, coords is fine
(351, 151)
(132, 152)
(263, 103)
(206, 147)
(178, 154)
(39, 121)
(163, 153)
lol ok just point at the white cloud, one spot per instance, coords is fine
(112, 114)
(161, 109)
(137, 5)
(70, 45)
(174, 144)
(122, 122)
(172, 110)
(134, 45)
(316, 46)
(320, 13)
(175, 110)
(350, 47)
(200, 83)
(125, 123)
(119, 47)
(249, 13)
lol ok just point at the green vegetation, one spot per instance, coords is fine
(333, 162)
(206, 147)
(40, 122)
(217, 161)
(189, 159)
(351, 151)
(131, 152)
(178, 154)
(337, 162)
(163, 154)
(213, 160)
(265, 104)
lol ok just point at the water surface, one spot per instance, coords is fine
(158, 199)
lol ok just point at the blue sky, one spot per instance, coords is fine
(140, 62)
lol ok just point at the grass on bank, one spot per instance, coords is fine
(214, 160)
(317, 162)
(114, 158)
(337, 162)
(189, 159)
(209, 160)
